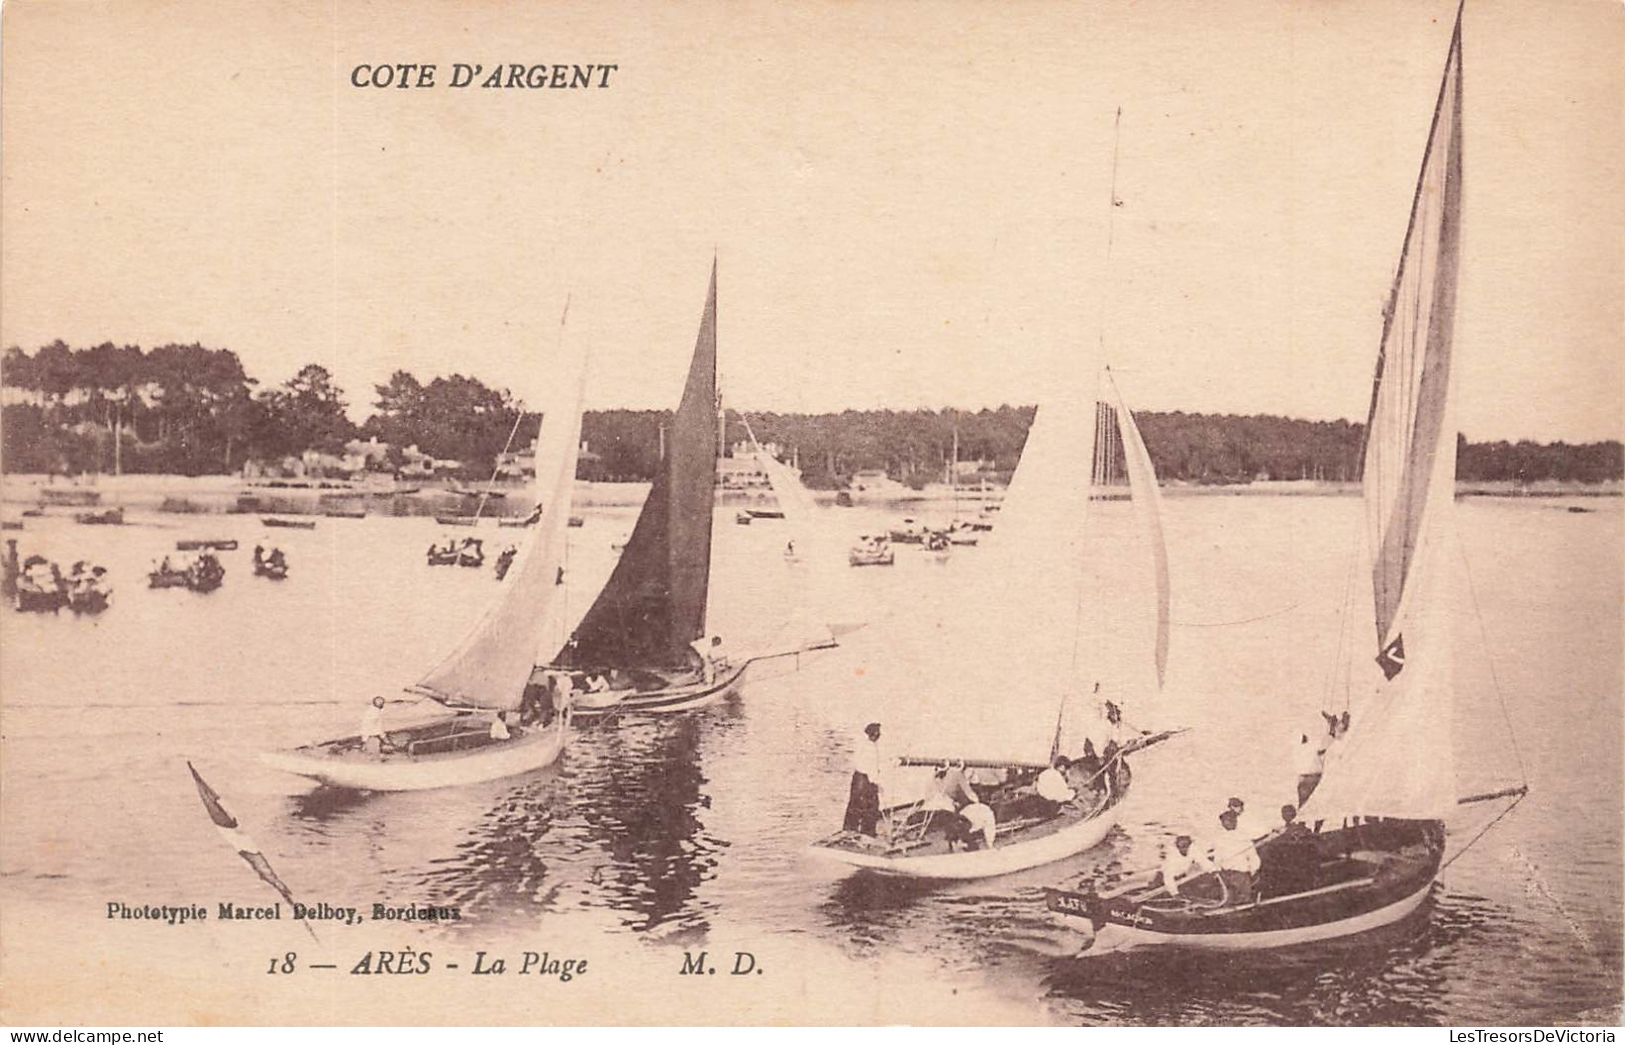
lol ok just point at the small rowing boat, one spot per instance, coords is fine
(200, 544)
(289, 524)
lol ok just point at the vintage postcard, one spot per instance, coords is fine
(745, 513)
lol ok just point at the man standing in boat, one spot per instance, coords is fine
(712, 659)
(863, 801)
(1309, 761)
(564, 691)
(372, 726)
(1237, 859)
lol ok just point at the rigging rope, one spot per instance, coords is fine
(1482, 832)
(497, 466)
(1489, 660)
(1235, 623)
(1341, 663)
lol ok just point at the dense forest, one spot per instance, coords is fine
(192, 410)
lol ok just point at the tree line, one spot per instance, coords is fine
(192, 410)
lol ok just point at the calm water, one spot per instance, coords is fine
(693, 828)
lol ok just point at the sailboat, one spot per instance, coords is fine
(638, 635)
(1013, 696)
(821, 593)
(1378, 810)
(960, 530)
(486, 676)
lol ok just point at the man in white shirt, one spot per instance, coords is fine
(1309, 762)
(596, 683)
(372, 726)
(863, 799)
(711, 656)
(982, 821)
(1180, 861)
(499, 727)
(1248, 825)
(1052, 787)
(564, 692)
(952, 789)
(1237, 859)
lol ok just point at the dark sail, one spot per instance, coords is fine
(654, 603)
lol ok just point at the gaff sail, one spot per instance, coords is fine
(527, 625)
(654, 603)
(1396, 759)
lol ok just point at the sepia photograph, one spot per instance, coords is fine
(838, 513)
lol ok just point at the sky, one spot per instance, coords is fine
(908, 203)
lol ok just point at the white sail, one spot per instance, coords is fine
(987, 672)
(1142, 480)
(1396, 760)
(528, 623)
(824, 607)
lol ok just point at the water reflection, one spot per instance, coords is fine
(617, 825)
(326, 804)
(498, 872)
(639, 794)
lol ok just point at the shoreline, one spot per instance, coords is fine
(226, 495)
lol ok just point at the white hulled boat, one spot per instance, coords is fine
(1001, 694)
(488, 673)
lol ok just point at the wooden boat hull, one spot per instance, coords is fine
(885, 558)
(290, 524)
(1018, 855)
(206, 545)
(28, 601)
(660, 701)
(1113, 938)
(89, 602)
(1397, 882)
(401, 772)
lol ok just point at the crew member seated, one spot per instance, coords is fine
(1052, 787)
(1180, 863)
(973, 828)
(950, 791)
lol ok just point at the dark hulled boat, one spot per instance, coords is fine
(1372, 836)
